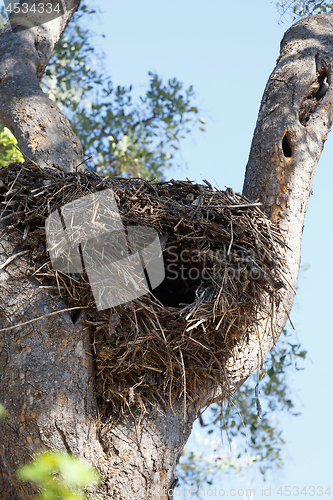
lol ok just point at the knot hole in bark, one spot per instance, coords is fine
(286, 146)
(75, 315)
(309, 102)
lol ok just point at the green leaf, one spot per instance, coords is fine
(59, 475)
(3, 412)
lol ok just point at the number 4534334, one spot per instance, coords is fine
(311, 491)
(25, 8)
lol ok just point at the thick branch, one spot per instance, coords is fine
(42, 131)
(294, 120)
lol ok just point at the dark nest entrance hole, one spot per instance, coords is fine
(180, 283)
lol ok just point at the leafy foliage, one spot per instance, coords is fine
(136, 141)
(59, 476)
(8, 151)
(296, 9)
(125, 137)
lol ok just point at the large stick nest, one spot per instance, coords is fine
(224, 271)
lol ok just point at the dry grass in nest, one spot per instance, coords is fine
(169, 343)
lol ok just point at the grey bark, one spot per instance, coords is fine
(42, 131)
(46, 368)
(47, 388)
(294, 120)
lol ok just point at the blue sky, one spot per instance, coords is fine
(227, 51)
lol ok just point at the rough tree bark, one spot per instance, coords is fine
(46, 371)
(42, 131)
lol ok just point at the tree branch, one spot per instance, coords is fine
(284, 154)
(42, 131)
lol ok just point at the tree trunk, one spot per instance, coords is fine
(46, 367)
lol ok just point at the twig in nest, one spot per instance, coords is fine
(41, 317)
(83, 161)
(26, 156)
(10, 259)
(232, 239)
(184, 381)
(291, 286)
